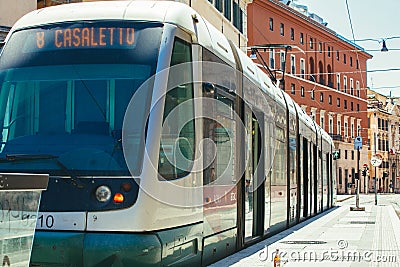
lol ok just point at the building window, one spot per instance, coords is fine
(330, 99)
(339, 128)
(330, 125)
(352, 130)
(293, 89)
(337, 55)
(345, 154)
(358, 88)
(345, 104)
(291, 34)
(345, 84)
(338, 81)
(351, 61)
(302, 91)
(357, 64)
(352, 155)
(351, 106)
(321, 122)
(301, 38)
(321, 97)
(228, 9)
(338, 102)
(282, 29)
(346, 130)
(293, 64)
(311, 43)
(302, 68)
(237, 17)
(218, 5)
(344, 59)
(282, 57)
(271, 24)
(312, 94)
(351, 86)
(329, 51)
(241, 20)
(358, 108)
(320, 47)
(271, 59)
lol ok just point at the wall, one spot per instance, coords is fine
(12, 10)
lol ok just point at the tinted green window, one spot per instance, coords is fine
(178, 134)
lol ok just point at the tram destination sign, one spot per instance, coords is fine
(85, 37)
(81, 36)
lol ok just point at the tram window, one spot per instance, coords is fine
(178, 140)
(90, 106)
(49, 91)
(220, 129)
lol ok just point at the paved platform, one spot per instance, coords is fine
(338, 237)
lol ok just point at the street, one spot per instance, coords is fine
(337, 237)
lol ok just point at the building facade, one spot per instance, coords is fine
(384, 137)
(11, 11)
(323, 72)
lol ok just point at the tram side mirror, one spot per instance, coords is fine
(336, 154)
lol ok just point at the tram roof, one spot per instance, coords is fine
(163, 11)
(152, 11)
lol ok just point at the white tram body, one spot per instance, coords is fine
(113, 200)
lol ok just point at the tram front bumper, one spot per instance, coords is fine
(95, 249)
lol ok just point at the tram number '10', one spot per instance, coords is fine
(46, 221)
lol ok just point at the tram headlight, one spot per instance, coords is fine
(103, 193)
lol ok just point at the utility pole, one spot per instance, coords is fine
(375, 191)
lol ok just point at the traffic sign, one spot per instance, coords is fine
(358, 143)
(376, 160)
(365, 165)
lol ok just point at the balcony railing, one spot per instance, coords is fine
(336, 137)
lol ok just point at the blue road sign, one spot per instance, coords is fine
(357, 143)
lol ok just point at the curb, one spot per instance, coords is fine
(346, 198)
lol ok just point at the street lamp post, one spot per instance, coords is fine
(357, 146)
(375, 191)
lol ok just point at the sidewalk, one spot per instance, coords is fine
(338, 237)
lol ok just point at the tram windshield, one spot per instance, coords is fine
(64, 90)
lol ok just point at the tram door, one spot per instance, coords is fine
(306, 179)
(254, 182)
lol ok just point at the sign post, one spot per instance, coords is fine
(358, 146)
(376, 161)
(19, 202)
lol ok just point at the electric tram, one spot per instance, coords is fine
(165, 144)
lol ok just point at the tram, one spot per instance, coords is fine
(165, 144)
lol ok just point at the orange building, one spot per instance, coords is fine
(324, 73)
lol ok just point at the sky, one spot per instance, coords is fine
(370, 19)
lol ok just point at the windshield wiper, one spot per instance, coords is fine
(17, 157)
(12, 157)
